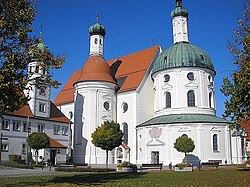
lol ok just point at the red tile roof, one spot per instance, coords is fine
(55, 144)
(55, 113)
(129, 71)
(96, 69)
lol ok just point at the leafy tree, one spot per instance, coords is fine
(16, 44)
(237, 87)
(184, 144)
(37, 141)
(107, 137)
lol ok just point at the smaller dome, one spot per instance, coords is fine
(42, 47)
(97, 29)
(96, 69)
(179, 11)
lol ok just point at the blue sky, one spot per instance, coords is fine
(131, 25)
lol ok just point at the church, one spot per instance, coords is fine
(155, 95)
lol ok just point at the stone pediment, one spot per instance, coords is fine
(167, 86)
(155, 142)
(191, 85)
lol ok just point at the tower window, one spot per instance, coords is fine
(42, 107)
(166, 78)
(191, 98)
(100, 41)
(125, 132)
(210, 99)
(168, 100)
(37, 69)
(190, 76)
(96, 40)
(215, 142)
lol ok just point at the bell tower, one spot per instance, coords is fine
(39, 93)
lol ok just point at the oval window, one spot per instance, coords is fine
(124, 107)
(106, 105)
(190, 76)
(166, 78)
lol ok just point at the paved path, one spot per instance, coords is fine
(16, 172)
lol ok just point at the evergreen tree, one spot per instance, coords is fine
(107, 136)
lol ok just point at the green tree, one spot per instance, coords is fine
(16, 44)
(236, 87)
(37, 141)
(107, 137)
(184, 144)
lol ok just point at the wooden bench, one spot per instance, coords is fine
(151, 166)
(211, 163)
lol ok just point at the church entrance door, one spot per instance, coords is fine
(155, 157)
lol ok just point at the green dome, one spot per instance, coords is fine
(182, 55)
(179, 11)
(42, 47)
(97, 29)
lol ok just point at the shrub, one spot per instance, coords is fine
(84, 169)
(126, 164)
(16, 165)
(16, 159)
(182, 165)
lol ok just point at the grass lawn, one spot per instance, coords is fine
(225, 178)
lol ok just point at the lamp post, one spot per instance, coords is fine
(27, 146)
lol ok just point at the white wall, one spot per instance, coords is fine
(179, 81)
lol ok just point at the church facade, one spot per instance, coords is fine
(155, 95)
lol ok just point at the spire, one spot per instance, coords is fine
(180, 23)
(178, 3)
(97, 16)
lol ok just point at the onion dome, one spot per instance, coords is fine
(42, 48)
(182, 55)
(179, 10)
(98, 29)
(96, 69)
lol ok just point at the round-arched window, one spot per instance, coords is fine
(124, 107)
(106, 105)
(166, 78)
(190, 76)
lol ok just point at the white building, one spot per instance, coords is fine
(39, 115)
(156, 96)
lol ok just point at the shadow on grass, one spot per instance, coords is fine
(95, 178)
(77, 179)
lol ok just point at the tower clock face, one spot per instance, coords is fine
(42, 91)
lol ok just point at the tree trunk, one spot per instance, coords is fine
(36, 157)
(185, 157)
(107, 158)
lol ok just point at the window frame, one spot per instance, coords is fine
(215, 143)
(14, 124)
(56, 129)
(125, 132)
(191, 98)
(5, 147)
(167, 100)
(124, 107)
(4, 124)
(39, 125)
(42, 107)
(24, 148)
(191, 74)
(166, 78)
